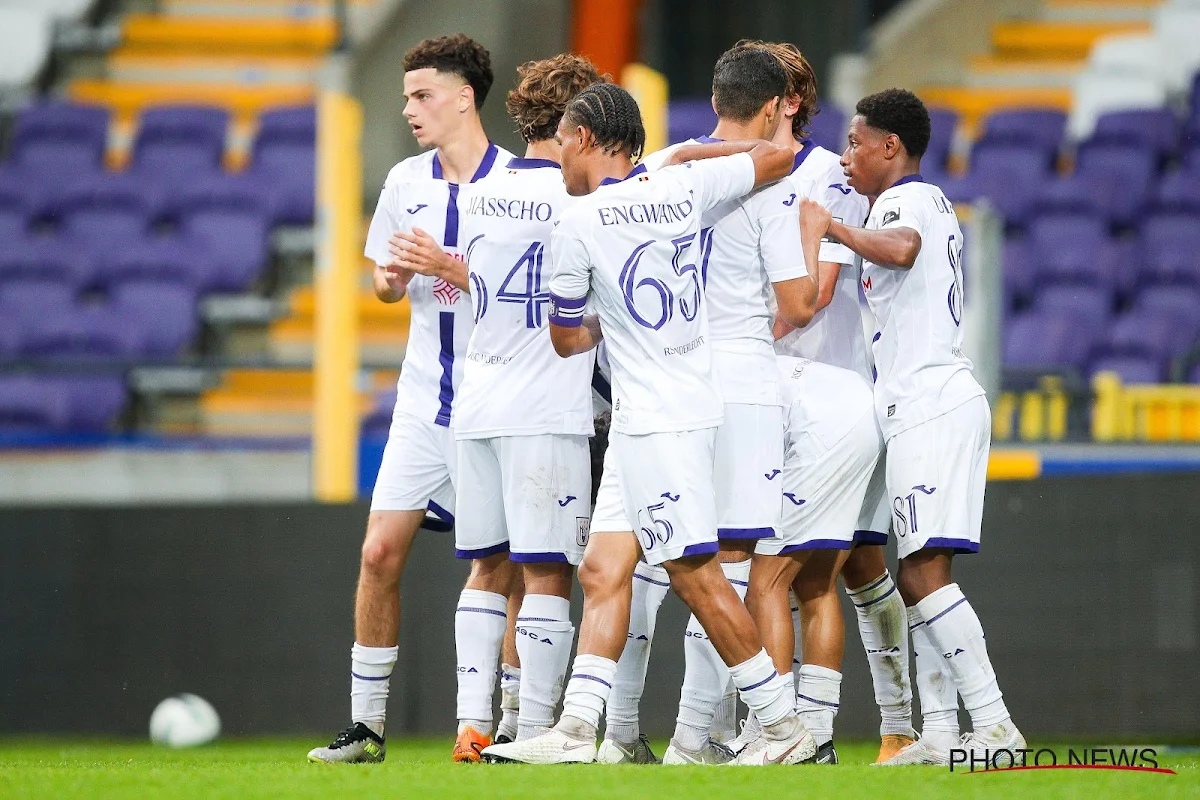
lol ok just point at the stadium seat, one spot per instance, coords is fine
(58, 137)
(81, 332)
(1097, 92)
(28, 404)
(181, 141)
(1071, 248)
(1018, 272)
(1040, 127)
(163, 259)
(1071, 194)
(25, 39)
(97, 230)
(1169, 248)
(1139, 55)
(1180, 304)
(1131, 369)
(289, 169)
(1125, 171)
(1179, 191)
(1087, 306)
(1138, 333)
(1034, 341)
(690, 117)
(236, 245)
(379, 421)
(828, 128)
(24, 299)
(1009, 174)
(943, 123)
(1155, 128)
(49, 258)
(245, 192)
(14, 221)
(95, 401)
(105, 191)
(166, 313)
(288, 123)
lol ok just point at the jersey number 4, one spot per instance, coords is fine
(522, 285)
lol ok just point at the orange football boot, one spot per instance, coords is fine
(891, 744)
(469, 745)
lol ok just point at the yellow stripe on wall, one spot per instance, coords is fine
(1014, 465)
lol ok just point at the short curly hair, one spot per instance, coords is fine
(802, 81)
(543, 90)
(458, 54)
(901, 112)
(613, 117)
(745, 78)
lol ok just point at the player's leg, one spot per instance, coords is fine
(942, 476)
(414, 471)
(823, 633)
(748, 457)
(510, 665)
(481, 617)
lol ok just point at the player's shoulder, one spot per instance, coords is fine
(654, 161)
(412, 168)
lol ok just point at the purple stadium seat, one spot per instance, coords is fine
(1089, 306)
(180, 140)
(1179, 191)
(165, 313)
(1194, 374)
(1071, 248)
(1019, 271)
(379, 421)
(1070, 194)
(106, 191)
(14, 226)
(51, 137)
(50, 258)
(288, 123)
(828, 128)
(1126, 171)
(23, 300)
(1039, 127)
(1179, 304)
(1170, 248)
(95, 401)
(289, 169)
(237, 244)
(81, 332)
(943, 122)
(1140, 334)
(242, 192)
(1041, 341)
(1132, 369)
(1155, 128)
(28, 404)
(1009, 174)
(689, 118)
(161, 259)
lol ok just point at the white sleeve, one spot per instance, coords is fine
(383, 225)
(570, 278)
(716, 180)
(847, 207)
(655, 160)
(892, 211)
(779, 233)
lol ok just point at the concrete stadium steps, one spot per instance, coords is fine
(128, 99)
(1005, 73)
(155, 34)
(1100, 10)
(383, 328)
(266, 402)
(1048, 40)
(130, 66)
(258, 9)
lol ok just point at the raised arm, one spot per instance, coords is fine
(772, 162)
(894, 247)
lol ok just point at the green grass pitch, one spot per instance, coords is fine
(421, 768)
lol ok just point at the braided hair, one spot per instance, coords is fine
(613, 117)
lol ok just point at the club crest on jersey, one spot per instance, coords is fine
(583, 526)
(446, 293)
(890, 216)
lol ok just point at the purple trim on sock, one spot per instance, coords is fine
(745, 533)
(651, 580)
(540, 619)
(815, 700)
(879, 599)
(957, 545)
(702, 549)
(763, 682)
(870, 537)
(482, 611)
(945, 611)
(817, 544)
(914, 627)
(483, 552)
(368, 677)
(739, 583)
(538, 558)
(872, 585)
(575, 675)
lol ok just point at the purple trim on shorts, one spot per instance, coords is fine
(879, 599)
(957, 545)
(369, 677)
(815, 700)
(763, 682)
(817, 544)
(650, 580)
(575, 675)
(475, 610)
(945, 611)
(538, 558)
(745, 533)
(482, 552)
(702, 549)
(870, 537)
(441, 513)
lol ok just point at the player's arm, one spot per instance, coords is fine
(389, 279)
(418, 252)
(772, 162)
(797, 298)
(781, 246)
(572, 331)
(895, 247)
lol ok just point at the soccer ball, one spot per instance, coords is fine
(184, 720)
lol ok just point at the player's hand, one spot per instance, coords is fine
(418, 252)
(391, 282)
(814, 219)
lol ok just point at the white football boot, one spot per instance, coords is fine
(614, 752)
(551, 747)
(797, 748)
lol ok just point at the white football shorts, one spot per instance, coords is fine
(875, 519)
(418, 468)
(746, 471)
(528, 495)
(936, 475)
(824, 488)
(665, 482)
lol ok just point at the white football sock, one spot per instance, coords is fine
(935, 688)
(650, 586)
(510, 692)
(955, 631)
(587, 690)
(544, 639)
(479, 623)
(818, 693)
(370, 674)
(798, 653)
(724, 725)
(882, 627)
(704, 673)
(768, 694)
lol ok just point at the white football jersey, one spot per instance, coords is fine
(922, 372)
(818, 403)
(747, 243)
(635, 247)
(514, 383)
(835, 335)
(415, 195)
